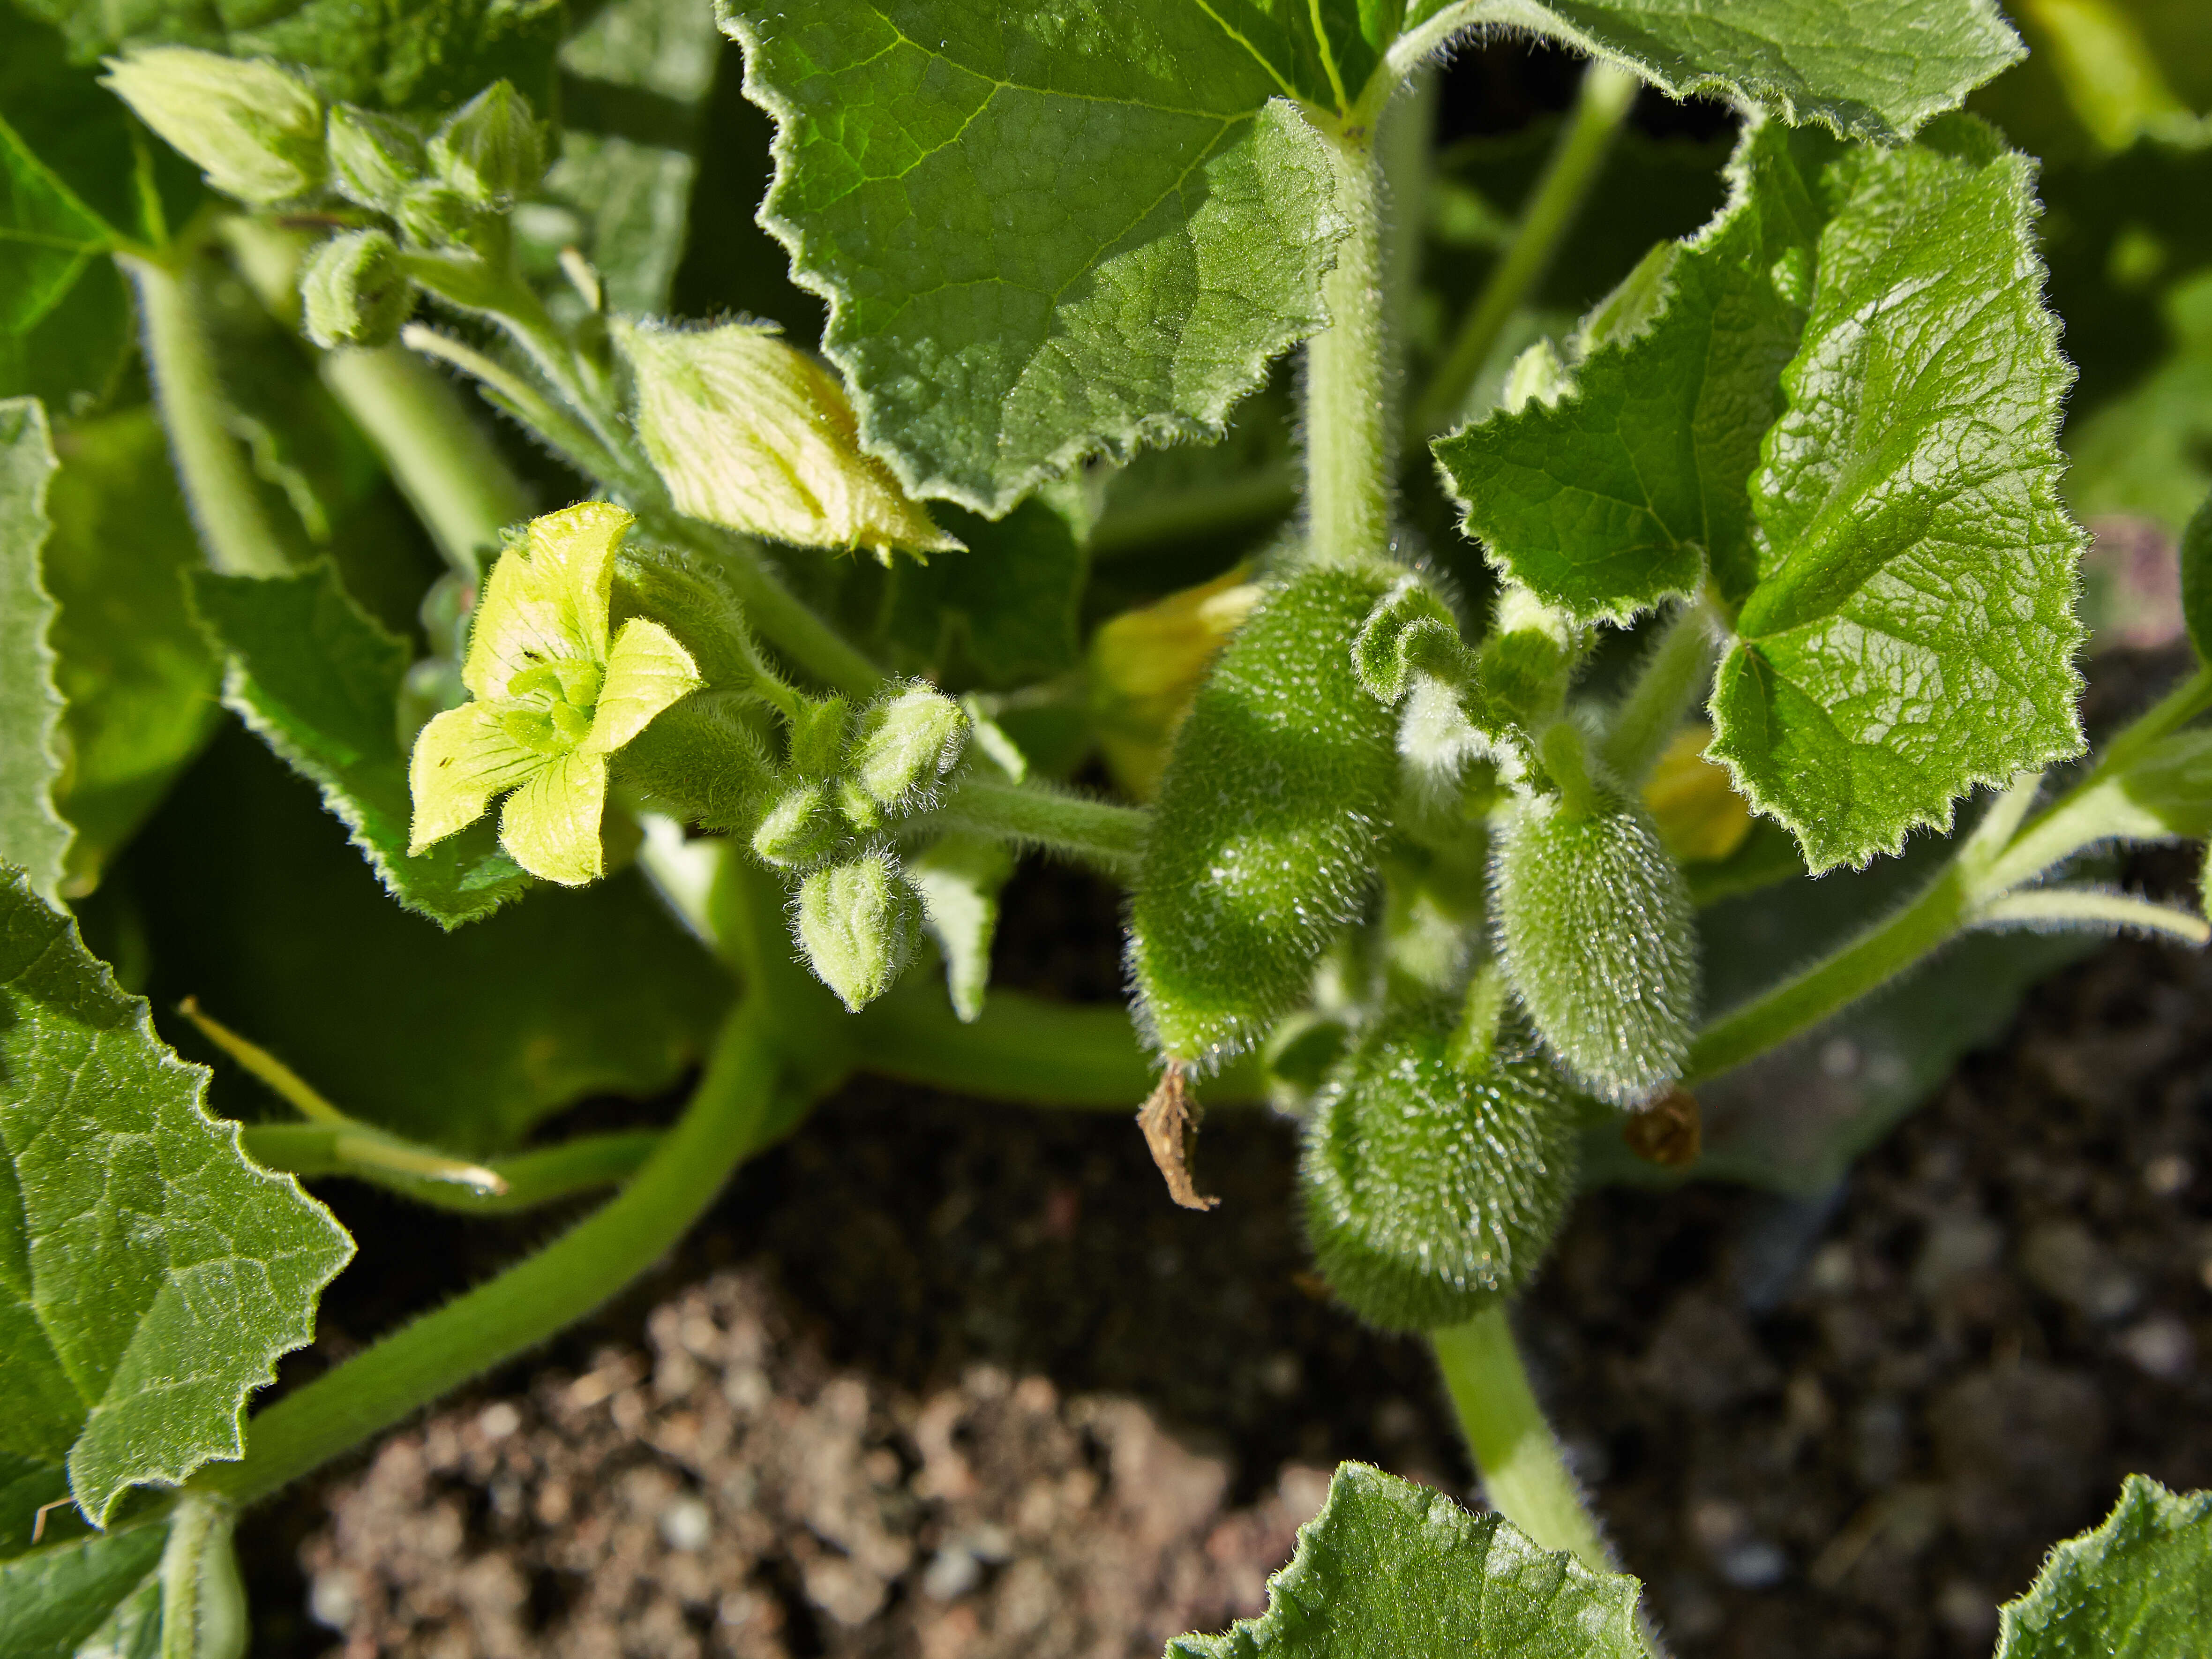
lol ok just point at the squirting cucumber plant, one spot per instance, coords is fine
(1442, 696)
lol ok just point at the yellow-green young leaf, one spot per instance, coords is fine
(1042, 230)
(2139, 1587)
(1389, 1569)
(1631, 486)
(149, 1276)
(320, 682)
(1867, 71)
(1911, 633)
(33, 835)
(54, 1600)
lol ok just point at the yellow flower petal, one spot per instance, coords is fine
(646, 671)
(463, 758)
(548, 599)
(552, 824)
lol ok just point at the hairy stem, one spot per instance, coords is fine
(523, 1182)
(1523, 1474)
(1607, 94)
(1023, 1048)
(1098, 832)
(1876, 955)
(1349, 431)
(1679, 668)
(776, 614)
(443, 461)
(728, 1119)
(219, 486)
(507, 390)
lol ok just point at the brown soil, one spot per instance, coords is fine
(960, 1379)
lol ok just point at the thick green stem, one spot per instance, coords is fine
(1870, 961)
(1523, 1474)
(443, 461)
(219, 486)
(728, 1119)
(1023, 1048)
(1350, 435)
(1607, 94)
(1679, 668)
(1096, 831)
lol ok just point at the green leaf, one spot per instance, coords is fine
(960, 879)
(33, 835)
(1001, 613)
(64, 324)
(2138, 1587)
(320, 682)
(1389, 1570)
(2197, 579)
(1912, 630)
(1867, 71)
(1042, 233)
(394, 54)
(1631, 487)
(149, 1276)
(138, 678)
(52, 1601)
(461, 1040)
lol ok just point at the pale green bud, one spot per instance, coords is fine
(374, 158)
(492, 148)
(859, 925)
(436, 216)
(256, 130)
(801, 827)
(353, 293)
(907, 743)
(749, 433)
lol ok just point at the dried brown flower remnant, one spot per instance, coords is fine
(1169, 1120)
(1667, 1132)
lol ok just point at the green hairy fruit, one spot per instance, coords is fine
(1432, 1190)
(1263, 845)
(1595, 931)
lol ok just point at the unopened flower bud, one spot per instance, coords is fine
(255, 131)
(1145, 666)
(374, 158)
(436, 216)
(907, 743)
(859, 925)
(492, 148)
(749, 433)
(800, 828)
(1699, 815)
(353, 293)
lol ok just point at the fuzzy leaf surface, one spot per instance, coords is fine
(1042, 231)
(52, 1600)
(1912, 631)
(33, 835)
(1867, 71)
(2138, 1586)
(320, 681)
(149, 1276)
(1388, 1568)
(1629, 488)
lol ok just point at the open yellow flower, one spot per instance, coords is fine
(553, 699)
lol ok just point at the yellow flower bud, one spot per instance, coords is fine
(750, 433)
(1701, 817)
(256, 130)
(1145, 668)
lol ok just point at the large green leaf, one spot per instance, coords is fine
(1912, 630)
(1001, 613)
(139, 680)
(320, 682)
(400, 54)
(149, 1276)
(50, 1602)
(1389, 1569)
(1042, 230)
(2139, 1587)
(1867, 71)
(33, 835)
(462, 1039)
(1629, 487)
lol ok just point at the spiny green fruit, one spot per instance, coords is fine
(1596, 933)
(1263, 841)
(1429, 1190)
